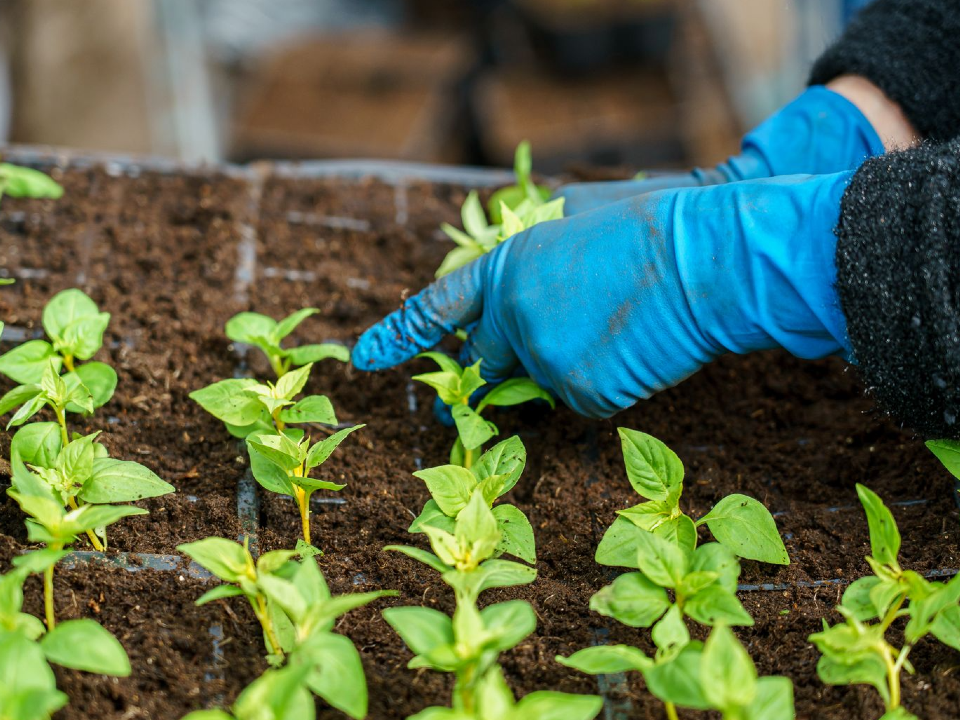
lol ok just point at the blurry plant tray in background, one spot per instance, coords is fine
(174, 251)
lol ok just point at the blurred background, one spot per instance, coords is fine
(628, 83)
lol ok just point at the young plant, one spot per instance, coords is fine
(858, 650)
(717, 675)
(267, 334)
(28, 689)
(739, 523)
(248, 407)
(512, 209)
(282, 462)
(51, 524)
(297, 613)
(17, 181)
(75, 326)
(455, 385)
(495, 473)
(276, 695)
(469, 643)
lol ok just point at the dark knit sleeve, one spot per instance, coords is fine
(910, 49)
(898, 279)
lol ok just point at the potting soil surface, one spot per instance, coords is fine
(173, 256)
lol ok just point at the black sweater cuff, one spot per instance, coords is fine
(898, 279)
(910, 49)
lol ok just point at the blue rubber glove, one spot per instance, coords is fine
(610, 306)
(819, 133)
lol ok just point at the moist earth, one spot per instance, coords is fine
(167, 255)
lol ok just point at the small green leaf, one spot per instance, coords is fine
(508, 623)
(678, 680)
(447, 385)
(728, 674)
(507, 458)
(324, 449)
(450, 487)
(947, 451)
(514, 392)
(421, 629)
(220, 592)
(224, 558)
(618, 546)
(18, 181)
(115, 481)
(861, 670)
(653, 469)
(774, 700)
(36, 444)
(500, 574)
(290, 323)
(83, 337)
(427, 558)
(715, 606)
(18, 396)
(98, 378)
(632, 599)
(714, 557)
(607, 659)
(227, 401)
(884, 535)
(746, 527)
(290, 385)
(315, 353)
(65, 308)
(472, 429)
(85, 645)
(249, 327)
(661, 561)
(471, 212)
(476, 528)
(92, 517)
(433, 516)
(551, 705)
(266, 472)
(338, 673)
(946, 627)
(516, 533)
(670, 634)
(856, 598)
(460, 256)
(26, 363)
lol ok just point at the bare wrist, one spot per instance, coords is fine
(886, 116)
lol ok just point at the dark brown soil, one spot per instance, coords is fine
(161, 253)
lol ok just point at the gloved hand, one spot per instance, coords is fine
(819, 133)
(610, 306)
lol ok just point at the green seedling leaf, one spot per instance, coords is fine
(653, 469)
(450, 486)
(473, 430)
(433, 516)
(476, 529)
(227, 401)
(293, 382)
(267, 473)
(27, 363)
(17, 181)
(632, 599)
(315, 353)
(220, 592)
(427, 558)
(947, 451)
(115, 481)
(884, 535)
(661, 561)
(860, 669)
(717, 559)
(324, 449)
(97, 378)
(65, 310)
(36, 444)
(506, 459)
(85, 645)
(715, 606)
(250, 328)
(226, 559)
(497, 574)
(607, 659)
(856, 598)
(678, 680)
(727, 672)
(447, 385)
(26, 676)
(946, 627)
(747, 528)
(311, 409)
(290, 323)
(36, 561)
(514, 392)
(92, 517)
(550, 705)
(508, 623)
(471, 213)
(670, 634)
(774, 700)
(422, 629)
(20, 395)
(516, 534)
(337, 675)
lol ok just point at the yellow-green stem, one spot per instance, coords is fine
(303, 503)
(467, 458)
(277, 364)
(263, 615)
(278, 423)
(671, 711)
(68, 362)
(62, 422)
(892, 613)
(94, 540)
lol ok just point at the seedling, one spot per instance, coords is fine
(739, 523)
(17, 181)
(512, 209)
(495, 473)
(247, 406)
(718, 675)
(51, 524)
(28, 689)
(75, 326)
(455, 385)
(267, 334)
(282, 463)
(948, 453)
(297, 613)
(468, 644)
(858, 651)
(276, 695)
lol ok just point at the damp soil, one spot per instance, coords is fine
(165, 254)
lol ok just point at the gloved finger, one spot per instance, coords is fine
(453, 301)
(582, 197)
(498, 360)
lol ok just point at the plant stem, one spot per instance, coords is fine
(62, 422)
(94, 540)
(277, 366)
(467, 458)
(263, 615)
(892, 613)
(671, 711)
(68, 362)
(48, 598)
(277, 422)
(893, 675)
(303, 503)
